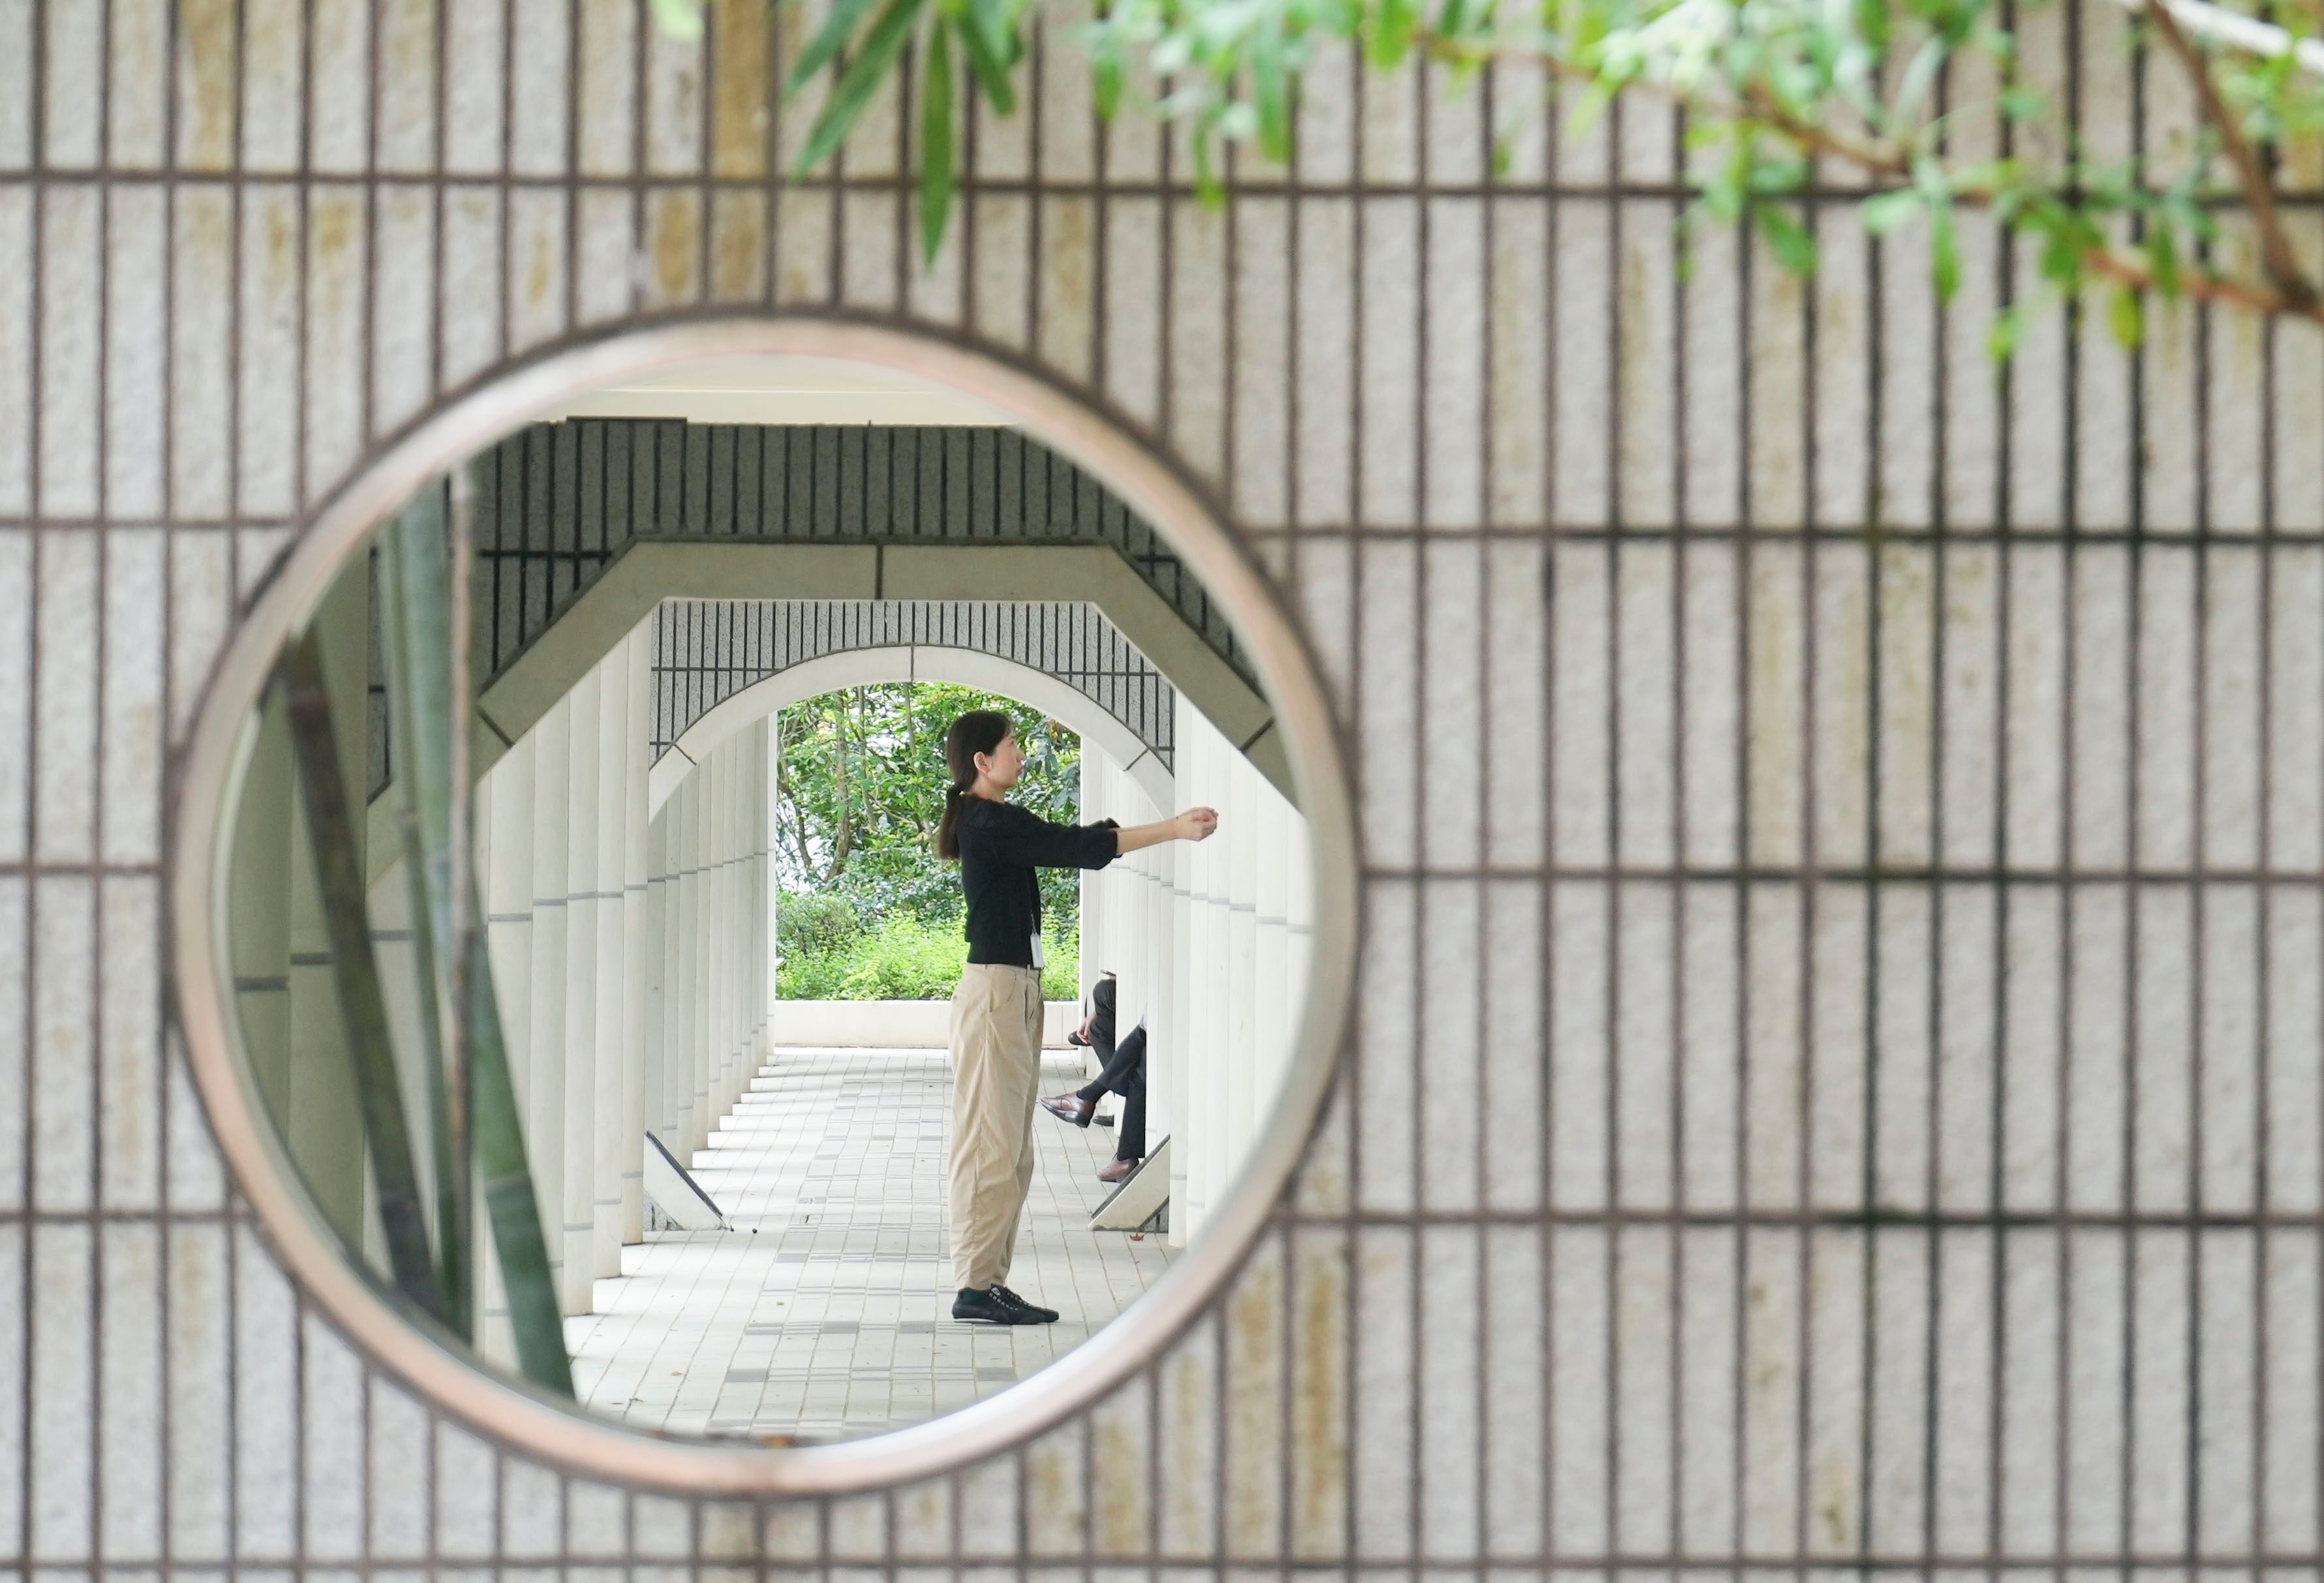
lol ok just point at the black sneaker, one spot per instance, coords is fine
(1035, 1314)
(987, 1307)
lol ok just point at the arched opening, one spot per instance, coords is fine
(561, 678)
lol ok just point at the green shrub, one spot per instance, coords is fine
(904, 958)
(815, 924)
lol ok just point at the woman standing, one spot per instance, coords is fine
(996, 1012)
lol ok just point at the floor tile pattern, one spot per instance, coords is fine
(826, 1312)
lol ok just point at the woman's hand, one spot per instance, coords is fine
(1196, 825)
(1193, 824)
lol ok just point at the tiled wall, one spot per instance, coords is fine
(1840, 1069)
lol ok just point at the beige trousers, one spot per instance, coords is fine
(996, 1071)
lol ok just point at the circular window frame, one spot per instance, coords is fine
(563, 1433)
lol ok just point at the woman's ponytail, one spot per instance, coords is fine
(980, 731)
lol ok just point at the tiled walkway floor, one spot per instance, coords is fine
(827, 1311)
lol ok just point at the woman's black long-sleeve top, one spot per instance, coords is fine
(1001, 845)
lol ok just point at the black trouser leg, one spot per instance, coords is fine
(1121, 1062)
(1130, 1142)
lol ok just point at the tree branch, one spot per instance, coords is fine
(2276, 257)
(1879, 159)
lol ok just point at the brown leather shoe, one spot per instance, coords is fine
(1070, 1108)
(1115, 1170)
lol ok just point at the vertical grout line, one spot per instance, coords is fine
(1804, 910)
(1427, 896)
(706, 154)
(1740, 836)
(2132, 941)
(2071, 525)
(2263, 1078)
(1480, 901)
(100, 887)
(1547, 895)
(165, 1218)
(1997, 1115)
(1355, 683)
(36, 112)
(1874, 509)
(1612, 891)
(235, 1209)
(1940, 552)
(1677, 888)
(644, 31)
(572, 185)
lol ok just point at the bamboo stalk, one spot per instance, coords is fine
(414, 560)
(506, 1184)
(338, 873)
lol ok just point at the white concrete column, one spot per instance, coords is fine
(1271, 966)
(677, 977)
(653, 1082)
(584, 772)
(1168, 1058)
(1096, 887)
(610, 1032)
(761, 808)
(699, 934)
(638, 941)
(545, 1064)
(1244, 842)
(718, 914)
(504, 822)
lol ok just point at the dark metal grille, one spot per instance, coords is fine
(556, 502)
(707, 650)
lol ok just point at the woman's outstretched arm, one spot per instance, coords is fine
(1193, 824)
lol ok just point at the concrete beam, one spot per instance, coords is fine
(650, 571)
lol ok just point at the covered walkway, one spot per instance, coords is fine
(827, 1310)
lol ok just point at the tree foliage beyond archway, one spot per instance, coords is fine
(867, 909)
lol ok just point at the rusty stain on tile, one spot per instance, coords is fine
(738, 247)
(206, 54)
(1065, 334)
(1254, 1427)
(740, 102)
(803, 247)
(1319, 1417)
(674, 240)
(1118, 1477)
(1054, 1517)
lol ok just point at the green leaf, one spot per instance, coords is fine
(1884, 212)
(2008, 330)
(1108, 70)
(938, 173)
(2161, 249)
(680, 19)
(1945, 251)
(991, 53)
(844, 106)
(1793, 245)
(831, 37)
(1269, 88)
(2126, 318)
(1390, 34)
(2024, 104)
(1920, 77)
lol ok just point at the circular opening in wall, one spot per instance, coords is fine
(764, 907)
